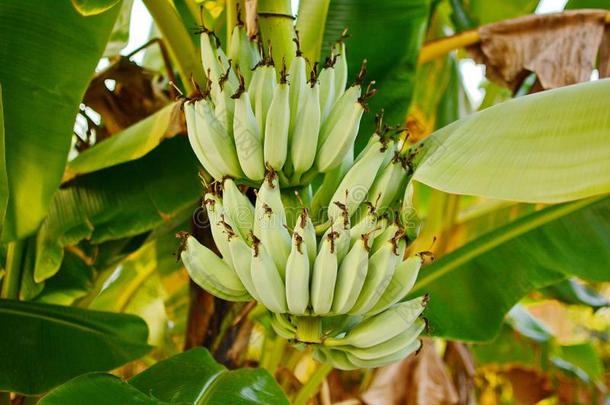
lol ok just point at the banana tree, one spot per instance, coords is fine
(312, 197)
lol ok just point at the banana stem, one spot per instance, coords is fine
(309, 329)
(12, 278)
(178, 41)
(312, 385)
(275, 22)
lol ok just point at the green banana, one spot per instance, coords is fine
(339, 110)
(219, 225)
(324, 276)
(263, 95)
(350, 277)
(365, 224)
(269, 196)
(408, 214)
(305, 228)
(357, 181)
(387, 348)
(192, 132)
(331, 180)
(402, 282)
(380, 272)
(209, 55)
(243, 51)
(341, 227)
(238, 208)
(297, 75)
(274, 234)
(277, 125)
(215, 141)
(327, 88)
(242, 259)
(340, 66)
(391, 180)
(385, 360)
(281, 326)
(297, 276)
(305, 132)
(266, 279)
(386, 233)
(211, 273)
(336, 358)
(382, 327)
(248, 140)
(224, 105)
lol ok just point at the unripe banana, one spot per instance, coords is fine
(281, 326)
(211, 273)
(305, 132)
(389, 347)
(263, 95)
(241, 255)
(327, 89)
(215, 141)
(255, 81)
(269, 196)
(192, 132)
(243, 51)
(408, 215)
(248, 140)
(340, 68)
(209, 55)
(324, 276)
(339, 111)
(226, 64)
(297, 277)
(357, 181)
(275, 235)
(297, 76)
(330, 182)
(381, 269)
(351, 276)
(277, 126)
(218, 225)
(224, 106)
(389, 359)
(402, 282)
(336, 358)
(238, 208)
(267, 281)
(341, 227)
(388, 184)
(365, 224)
(304, 227)
(383, 235)
(382, 327)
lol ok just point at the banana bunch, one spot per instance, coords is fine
(255, 116)
(354, 271)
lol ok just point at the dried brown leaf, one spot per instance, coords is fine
(560, 48)
(419, 379)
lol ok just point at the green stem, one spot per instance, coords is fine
(311, 25)
(178, 41)
(312, 385)
(309, 329)
(275, 22)
(12, 278)
(231, 9)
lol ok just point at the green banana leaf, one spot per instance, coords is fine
(548, 147)
(574, 4)
(73, 281)
(121, 201)
(130, 144)
(389, 35)
(192, 377)
(584, 357)
(119, 37)
(473, 287)
(572, 292)
(3, 175)
(42, 345)
(53, 52)
(93, 7)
